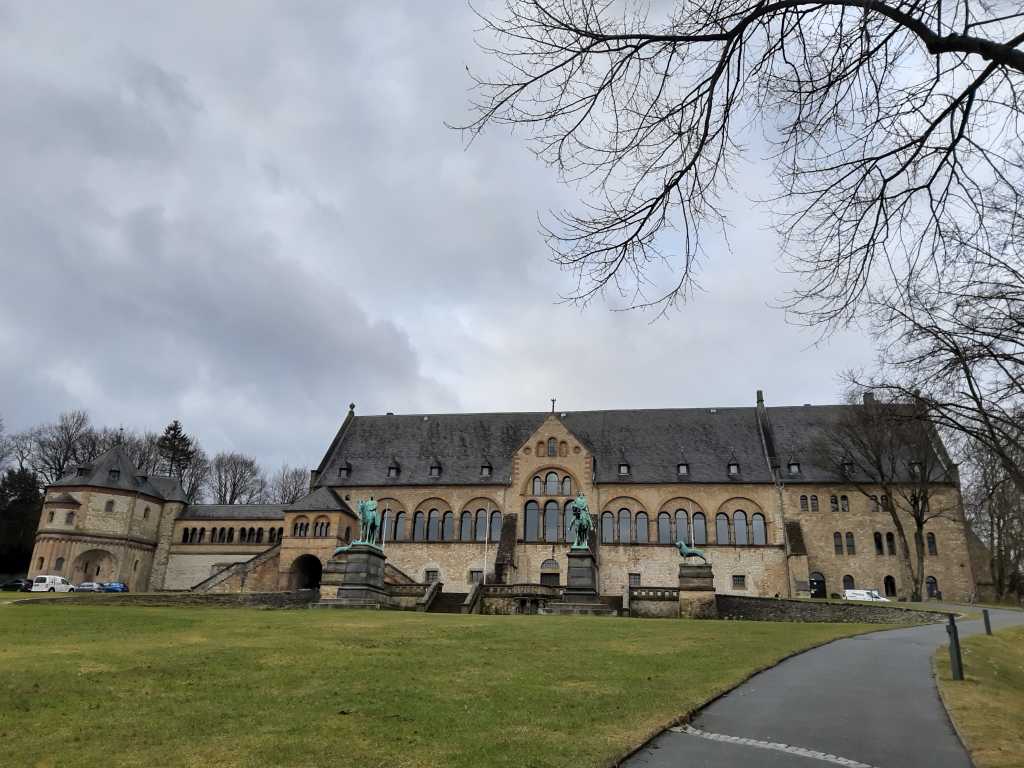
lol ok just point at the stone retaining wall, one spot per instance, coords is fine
(771, 609)
(183, 599)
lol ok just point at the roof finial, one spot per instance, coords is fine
(120, 435)
(351, 406)
(552, 405)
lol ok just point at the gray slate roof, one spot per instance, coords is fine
(114, 469)
(233, 512)
(321, 499)
(653, 442)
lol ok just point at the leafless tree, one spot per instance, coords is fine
(289, 484)
(22, 448)
(887, 122)
(57, 446)
(195, 476)
(891, 453)
(235, 479)
(6, 448)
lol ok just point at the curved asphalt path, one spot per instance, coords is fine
(867, 700)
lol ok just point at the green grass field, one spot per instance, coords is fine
(116, 686)
(988, 707)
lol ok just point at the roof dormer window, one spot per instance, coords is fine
(345, 471)
(83, 471)
(734, 468)
(623, 468)
(485, 470)
(394, 469)
(114, 474)
(435, 470)
(682, 469)
(794, 467)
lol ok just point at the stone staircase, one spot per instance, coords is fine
(448, 602)
(239, 570)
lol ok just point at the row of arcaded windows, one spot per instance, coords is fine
(224, 535)
(625, 527)
(836, 503)
(931, 543)
(435, 525)
(302, 528)
(552, 485)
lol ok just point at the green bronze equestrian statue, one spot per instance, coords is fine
(581, 524)
(369, 523)
(687, 552)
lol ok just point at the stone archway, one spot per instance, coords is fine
(94, 565)
(306, 572)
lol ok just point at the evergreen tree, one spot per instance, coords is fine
(21, 503)
(176, 448)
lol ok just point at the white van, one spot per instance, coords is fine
(864, 594)
(52, 584)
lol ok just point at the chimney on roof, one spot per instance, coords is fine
(869, 398)
(390, 413)
(760, 397)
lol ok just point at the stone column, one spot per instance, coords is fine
(697, 592)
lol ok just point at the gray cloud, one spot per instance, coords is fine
(246, 216)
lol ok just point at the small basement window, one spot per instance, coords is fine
(739, 581)
(431, 576)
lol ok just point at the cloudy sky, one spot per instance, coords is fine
(248, 215)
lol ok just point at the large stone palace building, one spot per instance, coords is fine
(470, 497)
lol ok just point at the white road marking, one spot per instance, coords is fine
(787, 748)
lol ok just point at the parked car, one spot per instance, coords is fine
(114, 586)
(52, 584)
(89, 586)
(864, 594)
(16, 585)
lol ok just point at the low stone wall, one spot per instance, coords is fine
(183, 599)
(772, 609)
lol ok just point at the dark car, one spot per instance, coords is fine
(114, 586)
(16, 585)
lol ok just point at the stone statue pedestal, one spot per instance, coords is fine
(580, 594)
(697, 592)
(354, 578)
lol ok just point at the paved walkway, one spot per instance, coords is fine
(864, 701)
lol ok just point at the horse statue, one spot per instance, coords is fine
(369, 522)
(687, 552)
(581, 524)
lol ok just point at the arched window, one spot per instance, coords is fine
(682, 527)
(348, 533)
(567, 486)
(59, 565)
(814, 503)
(567, 521)
(49, 517)
(933, 546)
(837, 542)
(109, 506)
(851, 546)
(231, 534)
(759, 530)
(259, 535)
(273, 536)
(184, 536)
(551, 521)
(242, 533)
(848, 582)
(466, 526)
(607, 528)
(280, 533)
(448, 526)
(889, 585)
(202, 535)
(890, 543)
(739, 525)
(434, 525)
(495, 526)
(700, 529)
(643, 533)
(931, 584)
(833, 503)
(39, 563)
(624, 526)
(721, 528)
(817, 585)
(552, 447)
(145, 514)
(878, 544)
(551, 484)
(69, 518)
(481, 525)
(844, 504)
(804, 506)
(664, 528)
(399, 534)
(538, 486)
(531, 521)
(419, 527)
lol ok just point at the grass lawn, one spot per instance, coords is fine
(119, 686)
(988, 707)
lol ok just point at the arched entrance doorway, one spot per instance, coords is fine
(306, 572)
(932, 586)
(817, 585)
(94, 565)
(889, 583)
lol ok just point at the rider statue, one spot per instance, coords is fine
(581, 524)
(369, 524)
